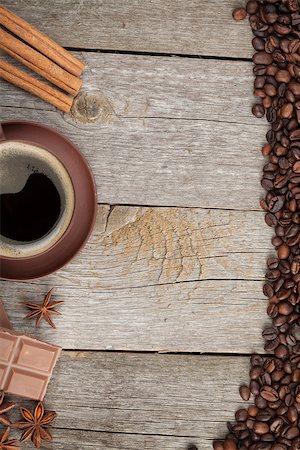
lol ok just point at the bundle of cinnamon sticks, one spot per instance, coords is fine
(42, 55)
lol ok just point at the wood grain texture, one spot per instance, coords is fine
(152, 397)
(165, 162)
(160, 279)
(132, 86)
(204, 316)
(200, 27)
(141, 246)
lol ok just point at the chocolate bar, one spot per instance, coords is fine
(4, 320)
(26, 364)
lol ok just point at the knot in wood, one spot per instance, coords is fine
(91, 108)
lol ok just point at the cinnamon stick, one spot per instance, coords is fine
(34, 86)
(52, 71)
(41, 72)
(41, 42)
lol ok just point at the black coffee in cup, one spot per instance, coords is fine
(32, 212)
(36, 199)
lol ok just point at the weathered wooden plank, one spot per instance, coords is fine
(198, 28)
(146, 395)
(165, 162)
(171, 88)
(205, 316)
(142, 246)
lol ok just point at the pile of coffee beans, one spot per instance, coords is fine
(272, 421)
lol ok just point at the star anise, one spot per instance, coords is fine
(43, 311)
(4, 408)
(7, 444)
(36, 424)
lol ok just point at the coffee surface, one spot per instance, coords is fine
(31, 213)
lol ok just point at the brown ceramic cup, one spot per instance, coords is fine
(29, 147)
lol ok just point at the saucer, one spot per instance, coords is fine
(85, 209)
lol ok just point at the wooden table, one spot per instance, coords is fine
(164, 305)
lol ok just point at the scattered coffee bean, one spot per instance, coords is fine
(239, 14)
(273, 421)
(252, 7)
(258, 110)
(245, 393)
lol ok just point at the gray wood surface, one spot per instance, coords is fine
(167, 279)
(144, 401)
(131, 86)
(173, 163)
(197, 27)
(208, 316)
(183, 274)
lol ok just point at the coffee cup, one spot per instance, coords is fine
(48, 200)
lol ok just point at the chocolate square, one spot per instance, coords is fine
(26, 364)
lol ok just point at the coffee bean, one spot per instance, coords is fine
(258, 110)
(269, 394)
(296, 167)
(276, 203)
(268, 290)
(264, 415)
(283, 251)
(270, 90)
(270, 346)
(262, 57)
(282, 29)
(292, 433)
(281, 351)
(256, 360)
(254, 387)
(295, 135)
(239, 14)
(271, 114)
(271, 44)
(252, 7)
(292, 414)
(261, 428)
(266, 150)
(269, 334)
(260, 402)
(286, 111)
(285, 308)
(293, 5)
(294, 87)
(258, 44)
(271, 220)
(269, 365)
(245, 392)
(255, 372)
(276, 425)
(283, 76)
(241, 415)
